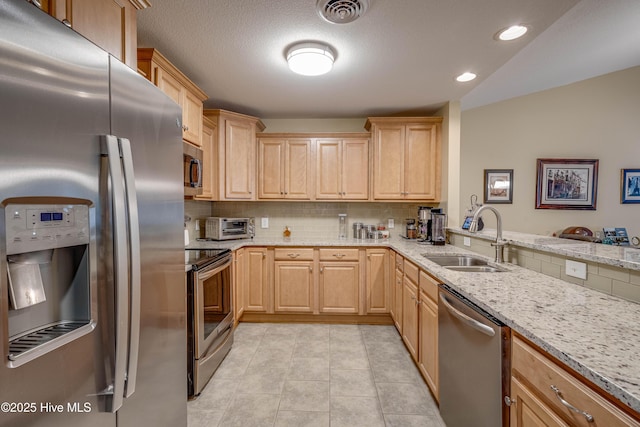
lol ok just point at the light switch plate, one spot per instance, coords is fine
(576, 269)
(264, 222)
(466, 241)
(390, 223)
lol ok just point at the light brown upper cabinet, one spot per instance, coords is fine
(236, 154)
(178, 87)
(209, 160)
(284, 168)
(342, 168)
(406, 157)
(111, 24)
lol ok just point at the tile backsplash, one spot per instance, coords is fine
(312, 219)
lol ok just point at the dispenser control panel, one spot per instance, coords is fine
(36, 227)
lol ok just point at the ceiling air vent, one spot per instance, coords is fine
(342, 11)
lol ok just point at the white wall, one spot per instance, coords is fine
(597, 118)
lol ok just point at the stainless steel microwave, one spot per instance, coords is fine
(192, 169)
(229, 228)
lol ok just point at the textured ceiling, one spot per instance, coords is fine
(400, 57)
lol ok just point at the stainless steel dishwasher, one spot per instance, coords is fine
(473, 349)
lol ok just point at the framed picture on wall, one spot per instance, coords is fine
(630, 186)
(498, 185)
(567, 184)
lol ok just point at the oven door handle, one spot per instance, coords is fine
(205, 274)
(472, 323)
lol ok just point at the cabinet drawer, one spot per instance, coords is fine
(551, 382)
(298, 254)
(337, 254)
(399, 263)
(429, 285)
(411, 271)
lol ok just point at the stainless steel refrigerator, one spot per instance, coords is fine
(92, 292)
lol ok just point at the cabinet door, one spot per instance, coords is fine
(355, 169)
(421, 160)
(298, 172)
(410, 316)
(294, 290)
(256, 283)
(191, 118)
(328, 178)
(339, 287)
(377, 281)
(239, 160)
(529, 411)
(238, 283)
(388, 162)
(428, 341)
(210, 160)
(397, 290)
(168, 84)
(271, 168)
(111, 24)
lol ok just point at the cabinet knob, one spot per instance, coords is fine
(66, 22)
(509, 401)
(310, 269)
(339, 256)
(293, 255)
(321, 269)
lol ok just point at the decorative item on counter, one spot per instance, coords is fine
(411, 230)
(286, 234)
(357, 226)
(342, 226)
(471, 212)
(615, 236)
(579, 233)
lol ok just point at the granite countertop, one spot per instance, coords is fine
(595, 334)
(618, 256)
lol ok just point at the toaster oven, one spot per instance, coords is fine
(229, 228)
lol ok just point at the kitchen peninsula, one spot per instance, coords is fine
(593, 334)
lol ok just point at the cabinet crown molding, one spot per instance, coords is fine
(215, 113)
(402, 120)
(317, 135)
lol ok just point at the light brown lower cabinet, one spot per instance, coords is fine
(428, 347)
(256, 295)
(339, 286)
(544, 393)
(410, 313)
(294, 287)
(377, 282)
(397, 299)
(238, 284)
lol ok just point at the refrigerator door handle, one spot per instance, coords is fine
(134, 265)
(112, 149)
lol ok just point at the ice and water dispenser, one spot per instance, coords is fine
(49, 277)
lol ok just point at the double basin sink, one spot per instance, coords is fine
(468, 263)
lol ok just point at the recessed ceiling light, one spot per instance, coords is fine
(310, 58)
(465, 77)
(512, 33)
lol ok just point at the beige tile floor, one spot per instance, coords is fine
(315, 375)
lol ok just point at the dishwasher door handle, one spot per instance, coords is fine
(466, 319)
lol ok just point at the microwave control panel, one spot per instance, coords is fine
(37, 227)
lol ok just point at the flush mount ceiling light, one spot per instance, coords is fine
(341, 11)
(465, 77)
(310, 58)
(512, 33)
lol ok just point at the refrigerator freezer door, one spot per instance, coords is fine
(53, 107)
(150, 121)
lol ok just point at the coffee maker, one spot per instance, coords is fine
(424, 223)
(438, 220)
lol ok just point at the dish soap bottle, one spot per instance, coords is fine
(286, 233)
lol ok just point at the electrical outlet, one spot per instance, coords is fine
(390, 223)
(466, 241)
(576, 269)
(264, 222)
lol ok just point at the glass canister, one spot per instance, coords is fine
(342, 226)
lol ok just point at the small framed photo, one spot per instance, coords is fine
(630, 186)
(498, 185)
(567, 184)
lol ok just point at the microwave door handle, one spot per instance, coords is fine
(112, 150)
(134, 266)
(195, 167)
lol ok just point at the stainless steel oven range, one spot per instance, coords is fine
(209, 314)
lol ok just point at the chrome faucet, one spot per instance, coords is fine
(500, 242)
